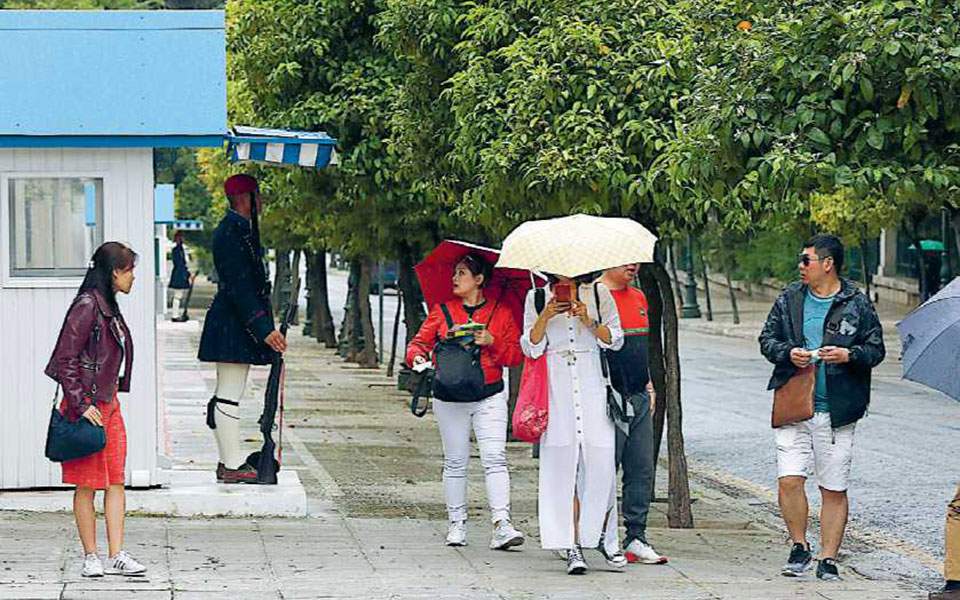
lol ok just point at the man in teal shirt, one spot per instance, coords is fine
(825, 321)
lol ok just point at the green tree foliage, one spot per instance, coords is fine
(848, 103)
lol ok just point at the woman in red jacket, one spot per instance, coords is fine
(499, 342)
(92, 361)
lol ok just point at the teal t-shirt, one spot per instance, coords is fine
(815, 311)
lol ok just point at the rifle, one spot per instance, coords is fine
(268, 466)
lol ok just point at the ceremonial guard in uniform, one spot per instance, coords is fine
(239, 329)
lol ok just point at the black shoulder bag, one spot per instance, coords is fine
(69, 440)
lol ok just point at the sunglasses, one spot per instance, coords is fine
(805, 259)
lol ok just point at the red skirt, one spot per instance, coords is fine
(104, 468)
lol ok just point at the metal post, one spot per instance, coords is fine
(945, 270)
(380, 292)
(691, 310)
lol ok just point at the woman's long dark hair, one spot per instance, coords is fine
(107, 258)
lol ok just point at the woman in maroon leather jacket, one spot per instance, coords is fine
(92, 361)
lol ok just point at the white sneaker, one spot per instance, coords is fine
(457, 533)
(505, 536)
(575, 563)
(124, 564)
(92, 567)
(640, 552)
(615, 561)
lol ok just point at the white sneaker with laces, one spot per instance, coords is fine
(505, 536)
(92, 567)
(457, 533)
(124, 564)
(575, 563)
(638, 551)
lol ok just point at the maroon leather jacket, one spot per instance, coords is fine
(86, 359)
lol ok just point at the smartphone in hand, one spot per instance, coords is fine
(562, 293)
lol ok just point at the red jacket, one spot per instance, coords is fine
(504, 352)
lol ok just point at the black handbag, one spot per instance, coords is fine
(69, 440)
(458, 376)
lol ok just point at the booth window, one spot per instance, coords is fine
(55, 225)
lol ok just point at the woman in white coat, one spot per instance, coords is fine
(577, 462)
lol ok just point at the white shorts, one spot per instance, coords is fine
(813, 447)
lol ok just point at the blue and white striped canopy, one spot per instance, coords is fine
(281, 147)
(186, 225)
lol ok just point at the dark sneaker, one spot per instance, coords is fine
(827, 570)
(799, 562)
(245, 474)
(945, 594)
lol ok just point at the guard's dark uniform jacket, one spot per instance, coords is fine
(240, 317)
(180, 278)
(850, 323)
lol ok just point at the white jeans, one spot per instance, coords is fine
(488, 418)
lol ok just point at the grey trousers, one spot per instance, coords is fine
(635, 455)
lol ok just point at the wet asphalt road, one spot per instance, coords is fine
(905, 452)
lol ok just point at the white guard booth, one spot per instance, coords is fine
(84, 98)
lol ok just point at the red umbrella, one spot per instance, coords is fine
(435, 273)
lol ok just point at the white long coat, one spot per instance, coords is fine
(579, 432)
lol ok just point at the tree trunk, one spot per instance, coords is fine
(295, 284)
(396, 332)
(323, 327)
(350, 332)
(863, 267)
(655, 360)
(311, 258)
(678, 511)
(281, 279)
(678, 288)
(733, 297)
(413, 313)
(368, 355)
(706, 287)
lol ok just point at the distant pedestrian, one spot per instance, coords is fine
(630, 376)
(180, 278)
(476, 321)
(92, 361)
(577, 452)
(951, 565)
(239, 330)
(825, 321)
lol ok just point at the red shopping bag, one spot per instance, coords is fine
(530, 414)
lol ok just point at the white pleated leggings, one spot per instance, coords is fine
(488, 419)
(231, 383)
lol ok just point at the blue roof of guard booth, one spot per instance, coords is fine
(112, 78)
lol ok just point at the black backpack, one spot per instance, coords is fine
(459, 376)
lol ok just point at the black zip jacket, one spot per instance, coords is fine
(850, 323)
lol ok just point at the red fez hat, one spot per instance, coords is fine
(239, 184)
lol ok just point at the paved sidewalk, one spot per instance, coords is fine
(372, 474)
